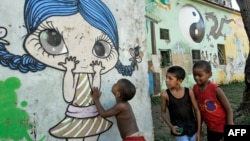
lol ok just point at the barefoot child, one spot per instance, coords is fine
(123, 91)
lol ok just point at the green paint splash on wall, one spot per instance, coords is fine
(14, 122)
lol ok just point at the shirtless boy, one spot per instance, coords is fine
(123, 91)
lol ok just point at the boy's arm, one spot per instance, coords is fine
(197, 113)
(104, 113)
(225, 103)
(164, 105)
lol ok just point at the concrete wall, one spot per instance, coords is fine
(34, 87)
(216, 25)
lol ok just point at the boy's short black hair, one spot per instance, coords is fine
(127, 89)
(203, 65)
(178, 71)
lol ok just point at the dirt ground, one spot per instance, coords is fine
(161, 130)
(233, 92)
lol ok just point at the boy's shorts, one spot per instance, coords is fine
(138, 136)
(135, 138)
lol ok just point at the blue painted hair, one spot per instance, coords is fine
(95, 12)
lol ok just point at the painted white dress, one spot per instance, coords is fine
(82, 118)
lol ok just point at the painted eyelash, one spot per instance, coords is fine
(44, 52)
(44, 26)
(48, 25)
(105, 38)
(110, 55)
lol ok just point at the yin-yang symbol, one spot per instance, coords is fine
(191, 24)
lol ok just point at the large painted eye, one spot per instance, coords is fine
(191, 24)
(52, 42)
(101, 49)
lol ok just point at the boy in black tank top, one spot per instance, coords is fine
(184, 116)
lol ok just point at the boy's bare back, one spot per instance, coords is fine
(126, 120)
(123, 91)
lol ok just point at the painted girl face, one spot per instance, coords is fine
(59, 37)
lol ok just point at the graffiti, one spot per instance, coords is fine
(136, 58)
(238, 43)
(81, 39)
(3, 33)
(14, 123)
(191, 24)
(152, 4)
(180, 48)
(150, 7)
(164, 4)
(232, 68)
(235, 64)
(201, 30)
(23, 63)
(181, 55)
(210, 57)
(216, 29)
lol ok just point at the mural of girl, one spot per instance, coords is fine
(79, 37)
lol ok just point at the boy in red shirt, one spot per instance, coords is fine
(214, 106)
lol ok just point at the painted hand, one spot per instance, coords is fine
(97, 66)
(70, 63)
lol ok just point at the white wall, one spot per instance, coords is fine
(42, 90)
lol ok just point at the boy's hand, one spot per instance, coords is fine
(198, 138)
(176, 130)
(96, 93)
